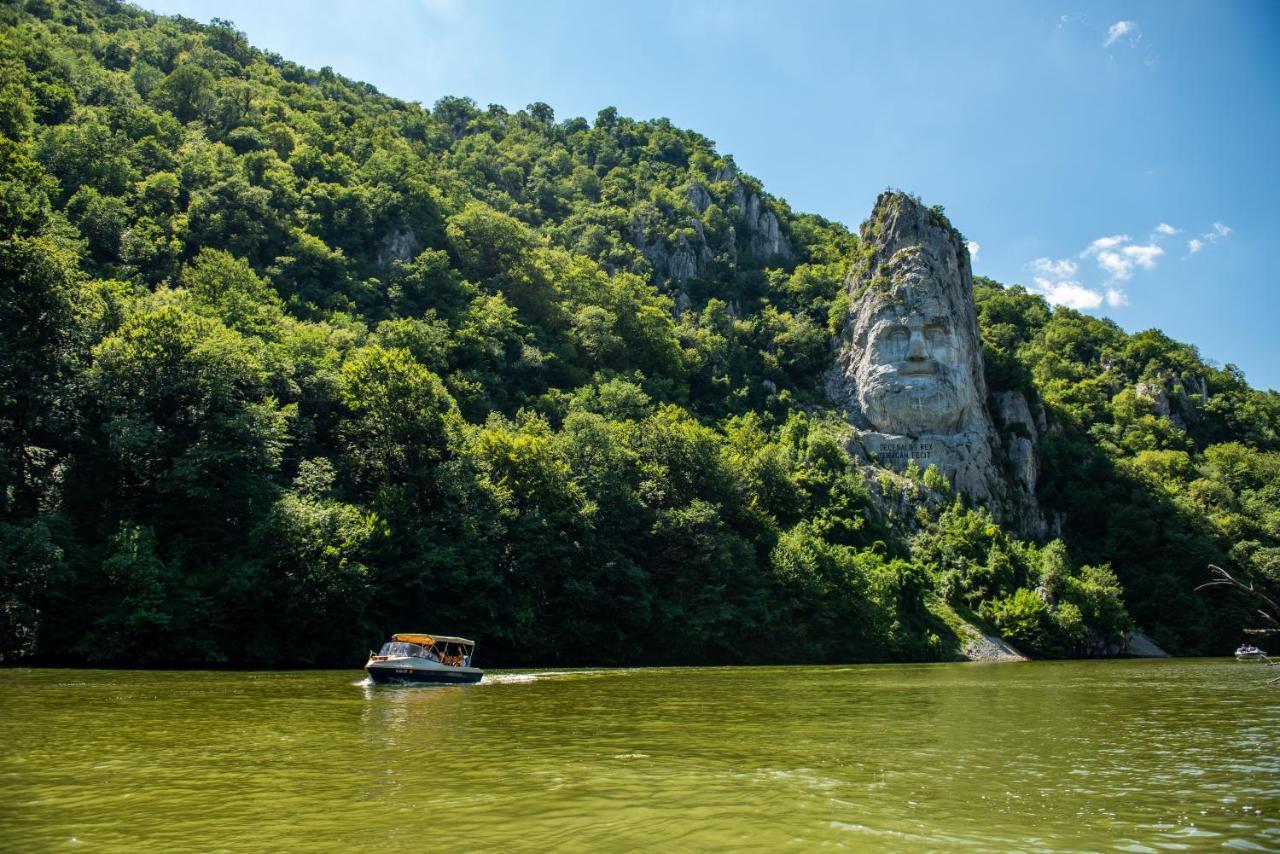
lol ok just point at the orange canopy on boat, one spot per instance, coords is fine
(429, 640)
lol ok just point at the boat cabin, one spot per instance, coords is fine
(450, 651)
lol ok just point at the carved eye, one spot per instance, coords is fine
(895, 342)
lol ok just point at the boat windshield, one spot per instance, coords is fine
(399, 649)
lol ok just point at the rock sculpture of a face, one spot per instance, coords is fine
(911, 362)
(909, 373)
(912, 377)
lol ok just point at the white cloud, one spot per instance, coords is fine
(1119, 30)
(1116, 265)
(1054, 281)
(1063, 269)
(1117, 259)
(1105, 243)
(974, 247)
(1213, 235)
(1117, 256)
(1068, 293)
(1144, 256)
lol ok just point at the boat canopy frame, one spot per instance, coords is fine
(429, 640)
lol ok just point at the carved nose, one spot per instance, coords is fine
(915, 348)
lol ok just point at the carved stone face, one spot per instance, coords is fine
(913, 375)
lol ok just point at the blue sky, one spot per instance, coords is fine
(1122, 158)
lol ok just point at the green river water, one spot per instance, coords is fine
(1120, 755)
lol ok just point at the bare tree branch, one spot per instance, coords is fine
(1268, 614)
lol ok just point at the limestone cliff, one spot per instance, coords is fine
(909, 373)
(690, 252)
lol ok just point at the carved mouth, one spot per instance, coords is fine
(917, 368)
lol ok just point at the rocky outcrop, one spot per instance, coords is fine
(1020, 433)
(1178, 398)
(1156, 395)
(682, 256)
(698, 196)
(398, 245)
(675, 260)
(1139, 645)
(979, 646)
(909, 373)
(763, 230)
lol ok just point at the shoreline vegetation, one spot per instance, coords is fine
(993, 650)
(287, 365)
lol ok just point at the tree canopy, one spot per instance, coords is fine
(287, 364)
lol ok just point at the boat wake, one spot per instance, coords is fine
(525, 678)
(542, 675)
(509, 678)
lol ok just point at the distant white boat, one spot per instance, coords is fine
(427, 659)
(1248, 651)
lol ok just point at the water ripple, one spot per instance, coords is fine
(1133, 756)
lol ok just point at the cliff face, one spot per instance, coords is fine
(909, 373)
(690, 253)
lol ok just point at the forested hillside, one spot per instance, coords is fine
(287, 364)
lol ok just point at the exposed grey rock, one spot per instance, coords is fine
(1180, 399)
(1024, 462)
(761, 224)
(738, 196)
(1139, 645)
(682, 263)
(677, 259)
(751, 209)
(1021, 437)
(698, 196)
(1012, 408)
(766, 239)
(683, 302)
(909, 372)
(1156, 395)
(398, 246)
(1197, 386)
(979, 646)
(704, 253)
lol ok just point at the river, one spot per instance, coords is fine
(1125, 755)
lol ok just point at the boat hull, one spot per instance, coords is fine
(401, 673)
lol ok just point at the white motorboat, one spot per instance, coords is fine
(1248, 652)
(429, 659)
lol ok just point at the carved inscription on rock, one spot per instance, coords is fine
(898, 454)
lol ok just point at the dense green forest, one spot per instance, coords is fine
(287, 364)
